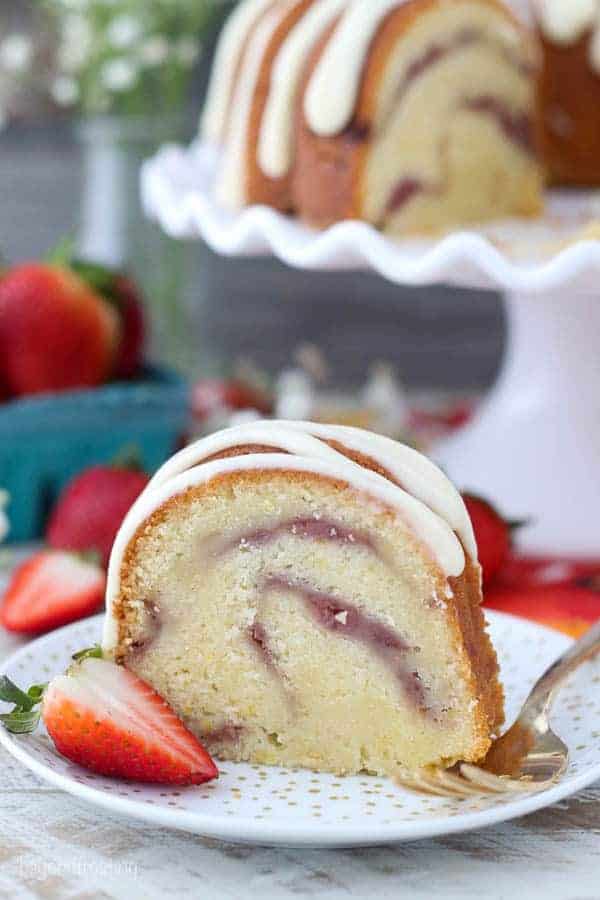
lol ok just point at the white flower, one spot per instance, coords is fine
(118, 75)
(187, 50)
(4, 524)
(76, 46)
(154, 51)
(124, 32)
(72, 57)
(16, 51)
(77, 28)
(65, 91)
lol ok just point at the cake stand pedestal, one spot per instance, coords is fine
(534, 445)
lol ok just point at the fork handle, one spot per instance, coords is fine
(583, 650)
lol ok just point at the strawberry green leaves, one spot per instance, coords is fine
(25, 714)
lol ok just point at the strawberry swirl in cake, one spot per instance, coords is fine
(308, 595)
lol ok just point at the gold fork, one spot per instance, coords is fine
(529, 756)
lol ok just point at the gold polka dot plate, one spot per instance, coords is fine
(271, 806)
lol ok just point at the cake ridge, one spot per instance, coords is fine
(275, 139)
(328, 113)
(235, 32)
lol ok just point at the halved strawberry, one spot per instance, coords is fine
(50, 589)
(106, 719)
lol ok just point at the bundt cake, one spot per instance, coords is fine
(308, 595)
(570, 89)
(412, 115)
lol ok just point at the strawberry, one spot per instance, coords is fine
(493, 536)
(106, 719)
(56, 333)
(90, 510)
(123, 294)
(51, 589)
(212, 395)
(133, 326)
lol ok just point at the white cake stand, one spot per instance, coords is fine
(534, 446)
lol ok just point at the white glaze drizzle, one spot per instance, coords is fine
(332, 93)
(229, 50)
(427, 501)
(414, 471)
(231, 187)
(332, 90)
(566, 21)
(276, 133)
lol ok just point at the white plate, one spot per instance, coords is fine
(533, 255)
(269, 806)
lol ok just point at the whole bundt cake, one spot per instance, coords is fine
(413, 115)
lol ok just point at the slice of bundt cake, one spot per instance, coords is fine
(308, 595)
(413, 115)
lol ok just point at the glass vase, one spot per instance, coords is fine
(115, 231)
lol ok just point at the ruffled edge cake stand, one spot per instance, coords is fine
(534, 444)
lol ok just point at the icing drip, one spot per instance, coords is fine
(231, 187)
(233, 37)
(408, 468)
(567, 21)
(349, 622)
(276, 134)
(328, 111)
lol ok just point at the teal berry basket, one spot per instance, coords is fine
(46, 440)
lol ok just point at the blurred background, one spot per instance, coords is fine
(69, 156)
(123, 345)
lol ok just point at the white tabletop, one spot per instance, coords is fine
(57, 848)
